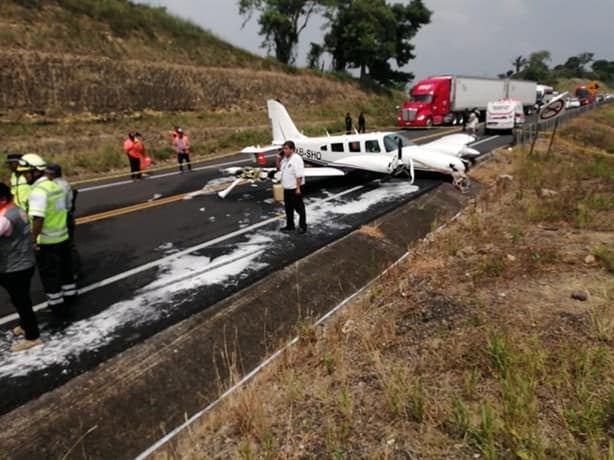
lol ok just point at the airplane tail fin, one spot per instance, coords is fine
(283, 126)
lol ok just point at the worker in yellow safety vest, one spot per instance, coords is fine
(47, 210)
(19, 186)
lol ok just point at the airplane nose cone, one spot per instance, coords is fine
(468, 152)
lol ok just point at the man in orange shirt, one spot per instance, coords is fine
(138, 149)
(133, 157)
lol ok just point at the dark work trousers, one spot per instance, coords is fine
(76, 258)
(18, 286)
(135, 167)
(294, 202)
(181, 157)
(56, 271)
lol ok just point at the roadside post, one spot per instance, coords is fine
(549, 113)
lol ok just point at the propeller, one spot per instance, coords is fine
(224, 193)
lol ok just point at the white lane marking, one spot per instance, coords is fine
(484, 140)
(158, 262)
(160, 176)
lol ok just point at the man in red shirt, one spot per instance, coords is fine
(182, 146)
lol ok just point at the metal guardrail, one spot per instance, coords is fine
(527, 133)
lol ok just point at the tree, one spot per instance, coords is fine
(537, 67)
(281, 22)
(509, 74)
(575, 66)
(519, 63)
(371, 34)
(585, 58)
(314, 58)
(604, 70)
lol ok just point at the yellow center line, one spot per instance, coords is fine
(141, 206)
(128, 209)
(172, 199)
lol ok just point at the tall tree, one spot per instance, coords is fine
(371, 34)
(314, 58)
(281, 22)
(519, 63)
(537, 66)
(604, 70)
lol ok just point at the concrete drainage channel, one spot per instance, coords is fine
(125, 405)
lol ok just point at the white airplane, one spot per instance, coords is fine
(385, 153)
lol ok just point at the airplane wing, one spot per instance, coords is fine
(456, 139)
(454, 144)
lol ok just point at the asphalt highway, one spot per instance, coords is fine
(158, 250)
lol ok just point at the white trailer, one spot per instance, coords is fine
(475, 92)
(523, 91)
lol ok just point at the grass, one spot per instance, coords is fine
(88, 147)
(518, 370)
(145, 27)
(606, 257)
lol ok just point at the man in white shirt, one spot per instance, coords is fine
(292, 178)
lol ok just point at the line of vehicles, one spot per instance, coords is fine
(446, 100)
(502, 103)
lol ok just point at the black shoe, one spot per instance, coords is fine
(286, 229)
(303, 230)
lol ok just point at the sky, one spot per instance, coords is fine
(467, 37)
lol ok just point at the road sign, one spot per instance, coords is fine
(552, 109)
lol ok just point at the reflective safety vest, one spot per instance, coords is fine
(54, 227)
(20, 190)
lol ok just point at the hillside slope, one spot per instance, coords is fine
(62, 56)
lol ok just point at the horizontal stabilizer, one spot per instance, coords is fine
(258, 149)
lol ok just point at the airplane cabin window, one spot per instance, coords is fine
(336, 147)
(372, 146)
(324, 148)
(355, 147)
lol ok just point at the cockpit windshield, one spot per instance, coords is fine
(427, 98)
(391, 142)
(582, 93)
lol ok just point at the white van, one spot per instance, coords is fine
(505, 114)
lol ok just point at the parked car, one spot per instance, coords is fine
(572, 103)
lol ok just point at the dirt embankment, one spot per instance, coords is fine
(50, 83)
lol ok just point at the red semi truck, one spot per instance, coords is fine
(587, 94)
(444, 99)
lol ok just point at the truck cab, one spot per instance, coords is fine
(586, 94)
(429, 102)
